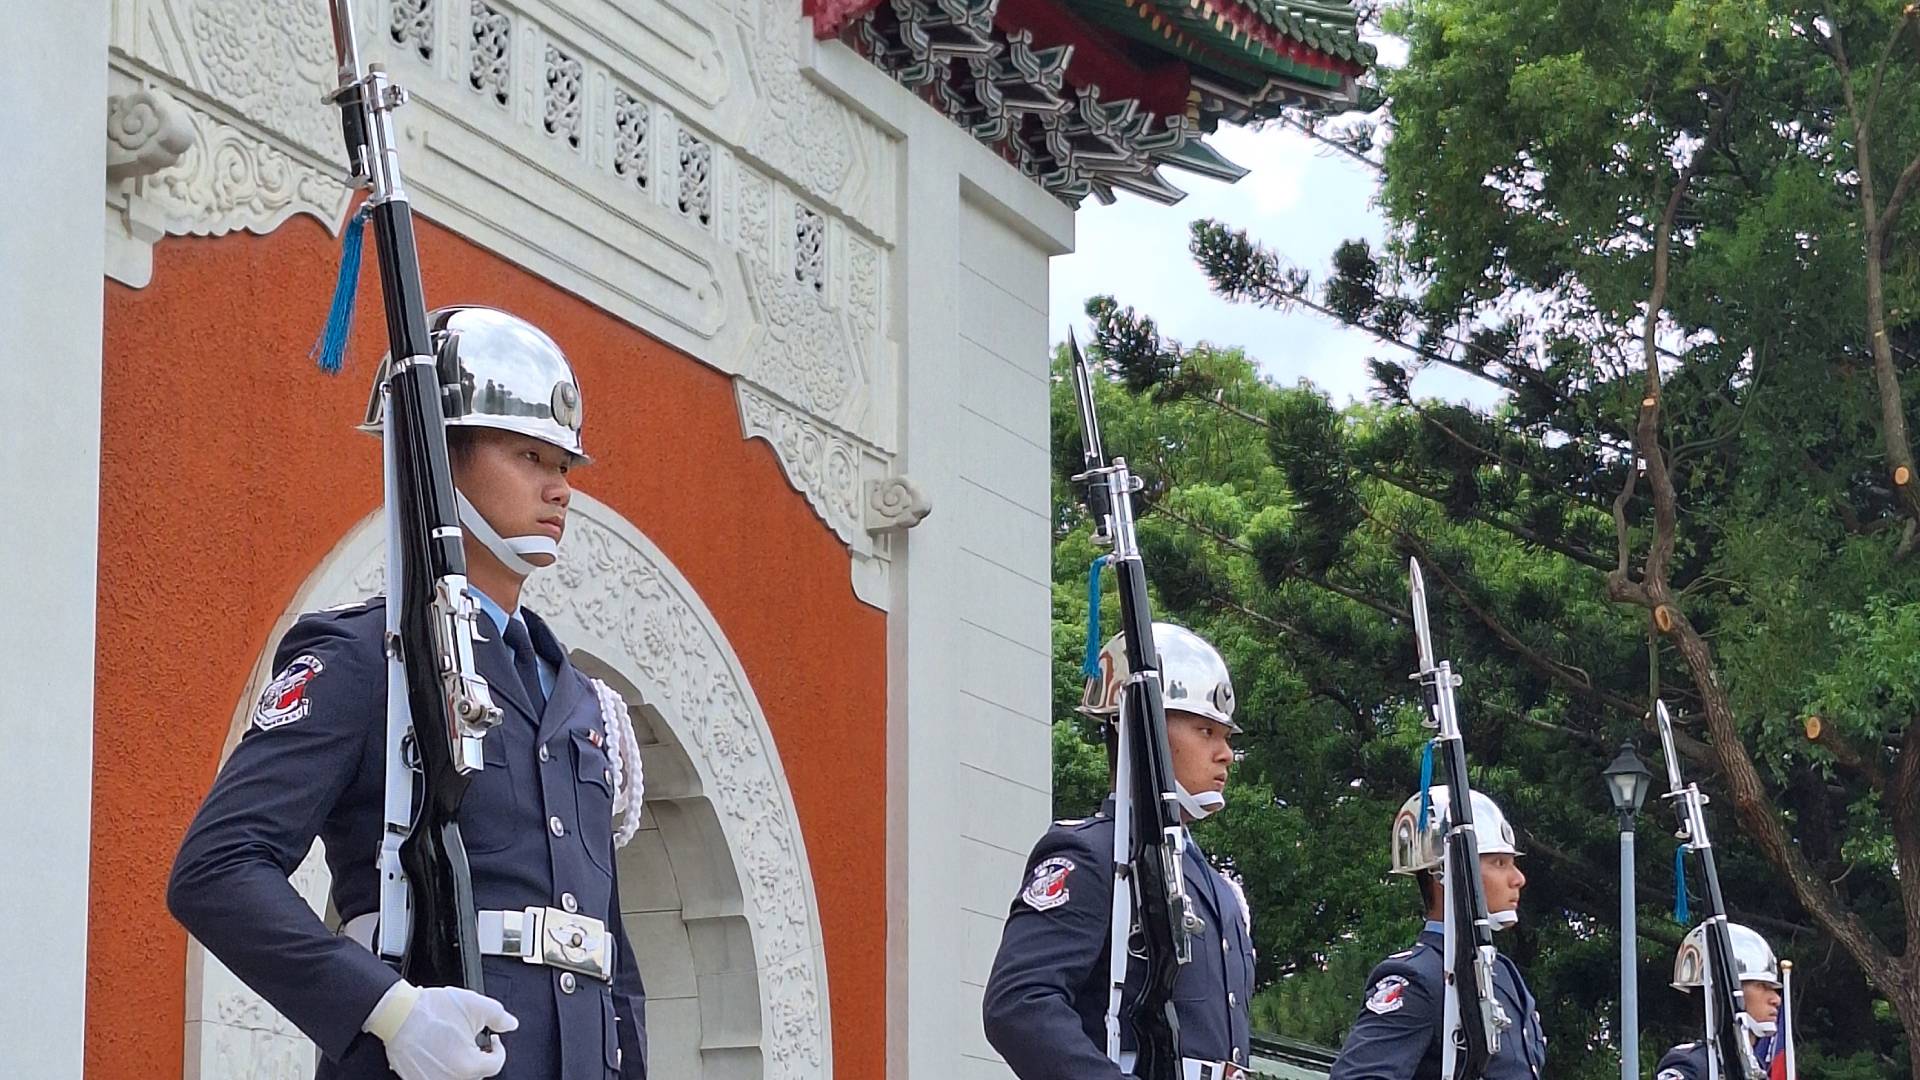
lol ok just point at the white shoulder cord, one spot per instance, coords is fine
(1240, 894)
(623, 751)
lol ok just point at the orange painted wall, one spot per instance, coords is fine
(230, 468)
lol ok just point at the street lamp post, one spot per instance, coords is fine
(1627, 781)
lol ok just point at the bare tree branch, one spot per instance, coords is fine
(1893, 417)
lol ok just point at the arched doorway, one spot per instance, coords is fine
(717, 893)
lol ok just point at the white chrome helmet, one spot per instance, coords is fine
(1753, 959)
(512, 377)
(1193, 677)
(1418, 845)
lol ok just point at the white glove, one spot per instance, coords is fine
(432, 1034)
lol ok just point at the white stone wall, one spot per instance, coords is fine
(969, 628)
(53, 82)
(1003, 703)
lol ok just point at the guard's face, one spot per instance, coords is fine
(1201, 751)
(517, 482)
(1501, 880)
(1762, 1002)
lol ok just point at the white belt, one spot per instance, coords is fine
(561, 939)
(1194, 1068)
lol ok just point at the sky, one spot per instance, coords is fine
(1301, 199)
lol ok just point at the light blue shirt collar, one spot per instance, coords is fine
(494, 611)
(1437, 926)
(499, 616)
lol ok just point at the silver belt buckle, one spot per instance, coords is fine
(550, 936)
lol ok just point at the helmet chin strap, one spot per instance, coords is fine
(1755, 1028)
(516, 554)
(1503, 920)
(1201, 806)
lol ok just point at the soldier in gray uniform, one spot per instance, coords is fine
(1759, 973)
(538, 820)
(1046, 1000)
(1397, 1035)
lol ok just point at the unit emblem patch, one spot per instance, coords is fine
(1048, 887)
(1670, 1074)
(285, 698)
(1388, 995)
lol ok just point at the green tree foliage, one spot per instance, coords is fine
(1714, 503)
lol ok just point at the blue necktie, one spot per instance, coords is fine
(525, 664)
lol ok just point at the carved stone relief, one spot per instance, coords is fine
(412, 26)
(174, 170)
(845, 481)
(147, 130)
(265, 62)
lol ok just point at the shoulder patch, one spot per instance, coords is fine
(1047, 888)
(285, 698)
(1388, 995)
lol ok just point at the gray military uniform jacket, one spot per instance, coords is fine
(1046, 1000)
(1397, 1035)
(538, 826)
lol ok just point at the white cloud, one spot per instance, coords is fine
(1301, 200)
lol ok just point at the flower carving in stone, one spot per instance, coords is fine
(823, 464)
(410, 25)
(147, 131)
(696, 177)
(227, 179)
(273, 63)
(806, 357)
(754, 227)
(564, 85)
(490, 51)
(895, 503)
(807, 134)
(809, 247)
(632, 121)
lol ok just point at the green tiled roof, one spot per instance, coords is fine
(1248, 41)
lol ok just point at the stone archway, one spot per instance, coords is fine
(716, 890)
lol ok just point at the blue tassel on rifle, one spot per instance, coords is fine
(1090, 667)
(1680, 913)
(331, 350)
(1426, 783)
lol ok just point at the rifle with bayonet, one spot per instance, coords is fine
(439, 707)
(1472, 1017)
(1729, 1051)
(1153, 918)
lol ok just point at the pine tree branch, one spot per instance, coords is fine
(1517, 531)
(1311, 131)
(1316, 580)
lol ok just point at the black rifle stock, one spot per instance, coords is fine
(1472, 1016)
(429, 932)
(1148, 823)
